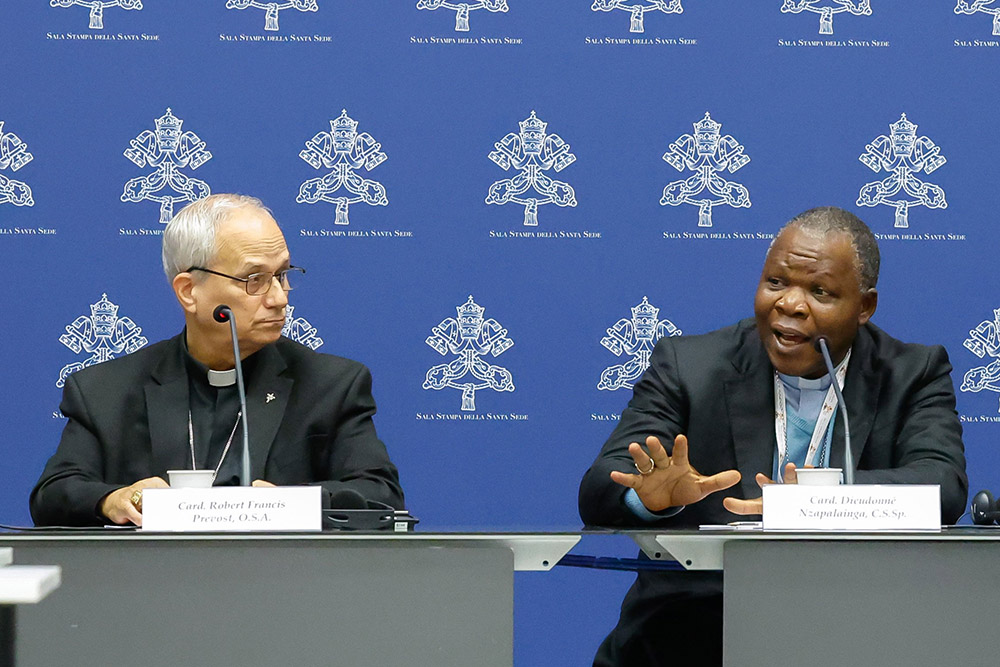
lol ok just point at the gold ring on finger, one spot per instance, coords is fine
(652, 467)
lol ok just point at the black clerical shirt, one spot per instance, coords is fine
(214, 411)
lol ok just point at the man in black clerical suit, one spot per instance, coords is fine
(174, 405)
(707, 414)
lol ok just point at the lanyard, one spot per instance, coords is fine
(194, 464)
(822, 422)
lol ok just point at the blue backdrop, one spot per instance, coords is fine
(620, 145)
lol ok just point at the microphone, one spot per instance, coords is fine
(822, 346)
(347, 499)
(351, 511)
(984, 509)
(223, 314)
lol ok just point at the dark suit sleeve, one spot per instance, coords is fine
(928, 444)
(356, 458)
(659, 408)
(72, 483)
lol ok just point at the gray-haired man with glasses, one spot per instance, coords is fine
(174, 405)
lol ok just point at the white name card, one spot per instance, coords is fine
(232, 509)
(855, 507)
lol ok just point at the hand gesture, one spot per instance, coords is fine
(670, 481)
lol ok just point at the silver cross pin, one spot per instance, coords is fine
(270, 397)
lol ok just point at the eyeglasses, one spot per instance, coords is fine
(259, 283)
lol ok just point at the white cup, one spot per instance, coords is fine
(820, 476)
(191, 479)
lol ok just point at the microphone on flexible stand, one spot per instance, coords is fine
(822, 346)
(224, 314)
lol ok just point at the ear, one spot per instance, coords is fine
(869, 302)
(184, 287)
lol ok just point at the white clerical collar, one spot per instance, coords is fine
(222, 378)
(806, 384)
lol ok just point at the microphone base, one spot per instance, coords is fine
(381, 520)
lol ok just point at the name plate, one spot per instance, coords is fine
(232, 509)
(855, 507)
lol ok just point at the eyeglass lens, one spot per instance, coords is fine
(259, 283)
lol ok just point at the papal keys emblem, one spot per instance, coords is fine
(988, 7)
(14, 155)
(103, 336)
(470, 337)
(462, 9)
(708, 155)
(272, 9)
(300, 330)
(638, 9)
(903, 155)
(531, 152)
(344, 151)
(97, 8)
(984, 341)
(827, 9)
(634, 338)
(168, 149)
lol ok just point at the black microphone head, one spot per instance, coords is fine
(222, 313)
(347, 499)
(983, 509)
(819, 341)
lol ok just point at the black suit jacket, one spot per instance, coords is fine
(128, 421)
(718, 389)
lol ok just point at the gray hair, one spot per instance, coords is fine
(189, 239)
(825, 220)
